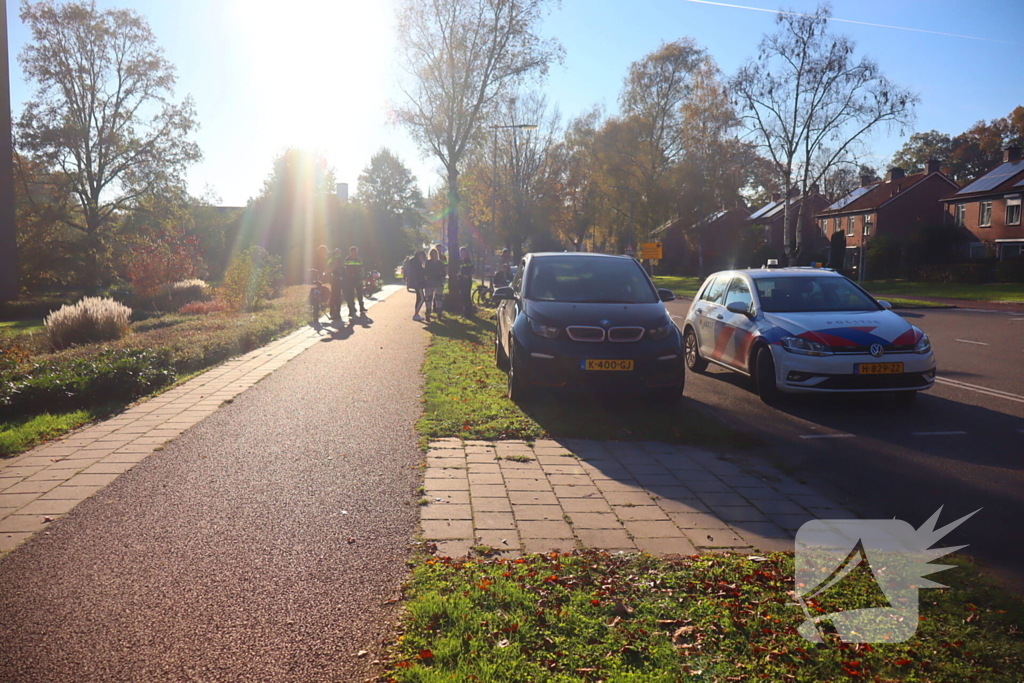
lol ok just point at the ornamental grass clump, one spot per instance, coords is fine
(90, 320)
(178, 294)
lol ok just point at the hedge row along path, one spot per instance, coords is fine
(267, 541)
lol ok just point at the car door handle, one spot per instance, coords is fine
(700, 310)
(720, 317)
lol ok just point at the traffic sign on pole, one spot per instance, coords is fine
(651, 250)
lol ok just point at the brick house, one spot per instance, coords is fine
(896, 207)
(724, 242)
(990, 208)
(771, 216)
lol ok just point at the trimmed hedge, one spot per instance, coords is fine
(114, 376)
(960, 273)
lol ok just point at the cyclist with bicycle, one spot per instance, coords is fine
(435, 272)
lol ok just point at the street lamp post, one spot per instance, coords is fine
(8, 231)
(494, 171)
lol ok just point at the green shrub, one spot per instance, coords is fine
(113, 376)
(90, 320)
(253, 277)
(961, 273)
(1010, 270)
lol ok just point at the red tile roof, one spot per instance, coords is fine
(876, 195)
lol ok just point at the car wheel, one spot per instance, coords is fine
(691, 351)
(518, 386)
(765, 376)
(671, 395)
(500, 357)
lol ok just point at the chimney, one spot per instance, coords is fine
(894, 174)
(341, 189)
(931, 166)
(865, 180)
(814, 189)
(776, 196)
(794, 191)
(1011, 154)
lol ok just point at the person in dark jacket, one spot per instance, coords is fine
(336, 269)
(435, 271)
(352, 282)
(416, 280)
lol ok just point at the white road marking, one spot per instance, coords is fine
(981, 390)
(683, 317)
(968, 341)
(935, 433)
(826, 436)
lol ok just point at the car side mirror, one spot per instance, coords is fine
(666, 295)
(885, 304)
(737, 307)
(503, 294)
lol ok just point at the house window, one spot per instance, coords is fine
(835, 224)
(1013, 210)
(849, 226)
(960, 217)
(985, 215)
(978, 250)
(1012, 250)
(867, 225)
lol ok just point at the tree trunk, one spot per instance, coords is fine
(453, 234)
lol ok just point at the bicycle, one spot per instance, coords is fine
(482, 294)
(319, 295)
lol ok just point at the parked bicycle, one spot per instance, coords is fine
(319, 295)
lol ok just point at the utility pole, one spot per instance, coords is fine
(8, 230)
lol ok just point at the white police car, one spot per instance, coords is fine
(805, 330)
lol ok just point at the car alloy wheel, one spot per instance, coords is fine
(691, 351)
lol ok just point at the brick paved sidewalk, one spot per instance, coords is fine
(560, 495)
(46, 482)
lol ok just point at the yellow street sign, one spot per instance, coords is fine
(650, 250)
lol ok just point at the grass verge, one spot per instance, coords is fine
(682, 286)
(465, 396)
(20, 435)
(900, 302)
(589, 616)
(944, 290)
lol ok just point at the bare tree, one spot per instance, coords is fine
(102, 116)
(804, 93)
(461, 57)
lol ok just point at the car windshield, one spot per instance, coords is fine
(586, 280)
(804, 294)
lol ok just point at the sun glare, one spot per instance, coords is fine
(318, 69)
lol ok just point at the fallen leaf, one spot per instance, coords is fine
(362, 653)
(426, 654)
(622, 609)
(503, 642)
(757, 558)
(682, 632)
(351, 540)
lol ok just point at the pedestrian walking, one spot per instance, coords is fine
(336, 269)
(465, 285)
(352, 283)
(416, 280)
(444, 261)
(435, 272)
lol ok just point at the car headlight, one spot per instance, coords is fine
(542, 330)
(923, 344)
(657, 333)
(805, 347)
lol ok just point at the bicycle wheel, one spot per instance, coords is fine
(315, 303)
(482, 296)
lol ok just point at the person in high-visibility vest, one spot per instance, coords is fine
(352, 282)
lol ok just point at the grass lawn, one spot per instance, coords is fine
(589, 616)
(941, 290)
(682, 286)
(21, 326)
(20, 435)
(465, 396)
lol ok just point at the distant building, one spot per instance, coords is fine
(771, 218)
(895, 206)
(725, 242)
(990, 208)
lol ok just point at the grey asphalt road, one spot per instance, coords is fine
(264, 544)
(960, 446)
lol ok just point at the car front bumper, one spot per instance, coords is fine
(798, 374)
(559, 364)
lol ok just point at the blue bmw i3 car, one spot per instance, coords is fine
(590, 322)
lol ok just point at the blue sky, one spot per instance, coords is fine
(320, 73)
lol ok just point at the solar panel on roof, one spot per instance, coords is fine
(849, 198)
(763, 210)
(995, 177)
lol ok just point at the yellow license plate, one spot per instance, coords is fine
(878, 368)
(595, 364)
